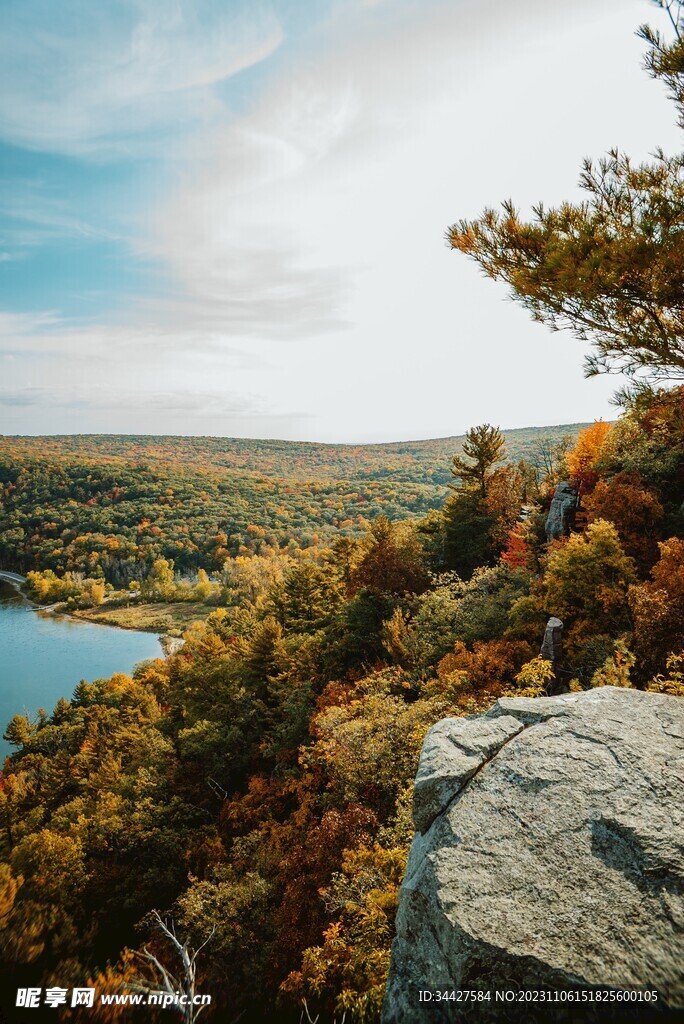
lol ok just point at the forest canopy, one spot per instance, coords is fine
(252, 790)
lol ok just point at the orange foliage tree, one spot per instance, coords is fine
(502, 502)
(633, 510)
(583, 455)
(658, 609)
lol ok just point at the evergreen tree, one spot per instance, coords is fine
(484, 446)
(309, 594)
(467, 533)
(264, 655)
(468, 522)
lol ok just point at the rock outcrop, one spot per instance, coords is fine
(549, 853)
(551, 651)
(562, 511)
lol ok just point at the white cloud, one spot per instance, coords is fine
(106, 79)
(56, 377)
(236, 238)
(332, 193)
(303, 239)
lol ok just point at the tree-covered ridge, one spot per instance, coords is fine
(405, 461)
(112, 505)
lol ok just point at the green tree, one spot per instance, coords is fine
(587, 580)
(469, 523)
(264, 654)
(483, 447)
(307, 596)
(467, 533)
(159, 585)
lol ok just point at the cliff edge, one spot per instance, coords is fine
(549, 854)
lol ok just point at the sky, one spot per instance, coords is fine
(227, 217)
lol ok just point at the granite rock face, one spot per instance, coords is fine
(549, 854)
(562, 511)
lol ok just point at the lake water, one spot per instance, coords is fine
(43, 657)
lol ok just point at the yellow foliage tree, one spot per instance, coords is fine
(673, 682)
(533, 678)
(615, 671)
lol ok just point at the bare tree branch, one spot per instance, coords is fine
(188, 958)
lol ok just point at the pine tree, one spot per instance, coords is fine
(484, 446)
(467, 533)
(468, 523)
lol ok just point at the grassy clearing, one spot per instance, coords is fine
(152, 618)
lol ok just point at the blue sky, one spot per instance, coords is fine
(228, 217)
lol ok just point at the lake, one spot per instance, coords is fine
(43, 656)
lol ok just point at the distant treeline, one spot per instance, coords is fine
(110, 505)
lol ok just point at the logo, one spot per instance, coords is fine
(29, 998)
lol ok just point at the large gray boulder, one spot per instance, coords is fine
(549, 854)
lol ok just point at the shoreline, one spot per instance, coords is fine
(169, 644)
(16, 582)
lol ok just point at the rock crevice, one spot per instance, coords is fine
(444, 773)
